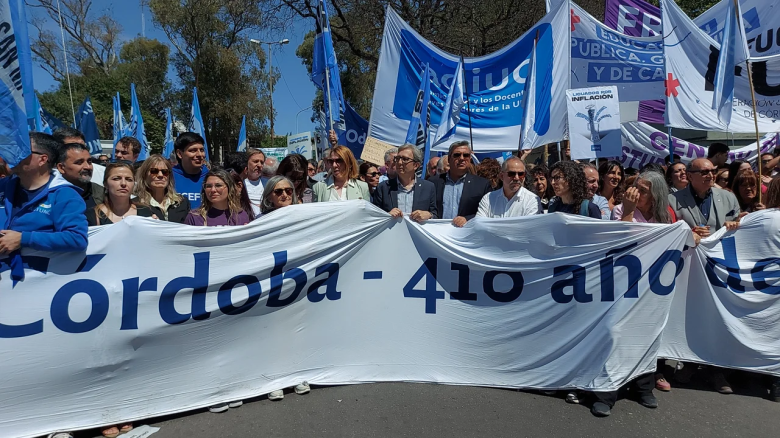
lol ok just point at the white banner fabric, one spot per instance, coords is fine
(330, 293)
(594, 122)
(643, 144)
(730, 317)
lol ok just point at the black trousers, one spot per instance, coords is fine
(642, 384)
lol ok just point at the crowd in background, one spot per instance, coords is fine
(50, 200)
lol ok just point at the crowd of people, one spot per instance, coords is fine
(50, 200)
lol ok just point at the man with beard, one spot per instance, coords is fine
(75, 164)
(513, 199)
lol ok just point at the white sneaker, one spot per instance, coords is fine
(216, 409)
(302, 388)
(60, 435)
(276, 395)
(236, 404)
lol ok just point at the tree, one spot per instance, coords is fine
(213, 53)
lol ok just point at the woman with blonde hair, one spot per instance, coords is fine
(342, 184)
(155, 188)
(220, 202)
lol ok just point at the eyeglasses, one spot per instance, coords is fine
(287, 191)
(373, 174)
(163, 172)
(556, 177)
(705, 172)
(217, 186)
(515, 174)
(459, 156)
(332, 161)
(402, 160)
(765, 161)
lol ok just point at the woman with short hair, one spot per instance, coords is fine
(342, 184)
(155, 187)
(221, 202)
(539, 184)
(279, 192)
(118, 185)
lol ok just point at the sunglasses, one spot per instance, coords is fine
(459, 156)
(163, 172)
(373, 174)
(705, 172)
(332, 161)
(515, 174)
(288, 191)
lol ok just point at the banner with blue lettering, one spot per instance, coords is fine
(87, 124)
(601, 56)
(24, 54)
(494, 84)
(760, 21)
(14, 131)
(354, 136)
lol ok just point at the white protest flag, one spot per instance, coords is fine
(452, 107)
(723, 94)
(691, 61)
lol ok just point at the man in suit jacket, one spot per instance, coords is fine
(702, 206)
(458, 192)
(406, 194)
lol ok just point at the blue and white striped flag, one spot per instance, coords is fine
(136, 128)
(723, 92)
(120, 125)
(168, 146)
(41, 124)
(196, 121)
(419, 126)
(242, 136)
(528, 135)
(450, 115)
(87, 124)
(325, 71)
(14, 130)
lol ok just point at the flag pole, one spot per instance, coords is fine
(468, 99)
(755, 121)
(330, 105)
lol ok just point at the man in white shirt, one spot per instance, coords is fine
(253, 183)
(513, 199)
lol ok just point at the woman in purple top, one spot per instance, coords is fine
(221, 203)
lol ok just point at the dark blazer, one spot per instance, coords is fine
(474, 188)
(386, 196)
(725, 207)
(177, 212)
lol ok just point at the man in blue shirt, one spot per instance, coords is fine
(458, 192)
(188, 175)
(39, 209)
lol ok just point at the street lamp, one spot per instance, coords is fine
(296, 117)
(270, 76)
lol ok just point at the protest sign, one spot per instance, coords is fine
(300, 144)
(374, 151)
(594, 122)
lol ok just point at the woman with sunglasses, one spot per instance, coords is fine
(155, 188)
(342, 184)
(745, 188)
(118, 184)
(369, 174)
(279, 192)
(296, 169)
(722, 178)
(221, 203)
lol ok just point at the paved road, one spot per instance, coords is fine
(427, 410)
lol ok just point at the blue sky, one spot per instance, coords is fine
(293, 92)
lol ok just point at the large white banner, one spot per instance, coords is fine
(594, 122)
(158, 318)
(643, 144)
(494, 84)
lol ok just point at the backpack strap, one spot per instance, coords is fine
(584, 207)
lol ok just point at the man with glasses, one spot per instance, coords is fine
(75, 164)
(407, 195)
(458, 192)
(513, 199)
(40, 210)
(103, 160)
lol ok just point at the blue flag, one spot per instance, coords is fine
(86, 123)
(242, 136)
(417, 134)
(41, 121)
(450, 115)
(136, 127)
(14, 129)
(325, 71)
(355, 132)
(723, 94)
(120, 125)
(196, 121)
(24, 54)
(168, 146)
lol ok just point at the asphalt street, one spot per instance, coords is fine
(428, 410)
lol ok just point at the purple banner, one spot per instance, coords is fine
(640, 19)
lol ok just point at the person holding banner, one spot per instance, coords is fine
(221, 203)
(458, 192)
(279, 192)
(369, 174)
(611, 175)
(42, 211)
(745, 188)
(154, 187)
(189, 174)
(406, 194)
(571, 191)
(512, 200)
(75, 165)
(127, 149)
(118, 184)
(646, 201)
(342, 184)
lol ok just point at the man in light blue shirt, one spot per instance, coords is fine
(592, 182)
